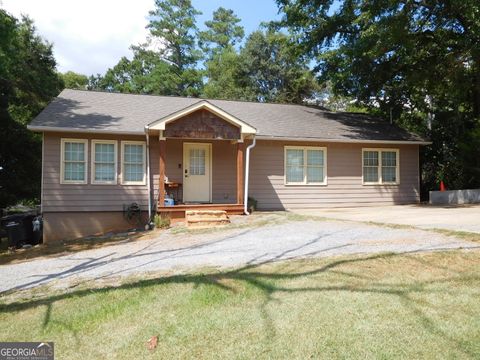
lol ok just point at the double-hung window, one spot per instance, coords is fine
(305, 165)
(104, 162)
(133, 163)
(73, 165)
(380, 166)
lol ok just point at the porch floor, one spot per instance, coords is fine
(177, 212)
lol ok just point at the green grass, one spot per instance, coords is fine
(464, 235)
(382, 306)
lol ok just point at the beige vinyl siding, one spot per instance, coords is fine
(85, 197)
(344, 172)
(344, 189)
(224, 172)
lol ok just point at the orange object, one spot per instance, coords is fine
(152, 343)
(442, 186)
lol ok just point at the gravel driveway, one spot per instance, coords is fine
(226, 248)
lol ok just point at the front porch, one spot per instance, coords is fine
(201, 162)
(200, 175)
(177, 213)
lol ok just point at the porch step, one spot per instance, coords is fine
(206, 218)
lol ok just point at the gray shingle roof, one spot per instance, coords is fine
(117, 113)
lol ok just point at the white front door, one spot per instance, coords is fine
(197, 171)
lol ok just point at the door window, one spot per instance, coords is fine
(197, 162)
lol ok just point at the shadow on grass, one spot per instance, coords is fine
(269, 283)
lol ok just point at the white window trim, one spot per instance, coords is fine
(304, 182)
(92, 162)
(380, 180)
(144, 181)
(62, 160)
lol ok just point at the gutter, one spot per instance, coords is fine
(77, 130)
(247, 171)
(148, 176)
(348, 141)
(260, 137)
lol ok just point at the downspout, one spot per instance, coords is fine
(43, 165)
(148, 176)
(247, 170)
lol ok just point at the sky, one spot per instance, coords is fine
(89, 36)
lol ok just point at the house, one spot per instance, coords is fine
(103, 151)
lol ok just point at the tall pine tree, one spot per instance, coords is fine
(173, 31)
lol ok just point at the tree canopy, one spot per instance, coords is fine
(178, 59)
(416, 60)
(271, 69)
(223, 31)
(146, 73)
(73, 80)
(28, 81)
(173, 31)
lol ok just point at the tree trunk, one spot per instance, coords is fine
(476, 86)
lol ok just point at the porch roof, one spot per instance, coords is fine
(103, 112)
(160, 124)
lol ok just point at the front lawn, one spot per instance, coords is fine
(378, 306)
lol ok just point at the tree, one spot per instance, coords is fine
(326, 97)
(222, 32)
(416, 60)
(28, 81)
(72, 80)
(223, 61)
(271, 70)
(167, 63)
(146, 73)
(267, 69)
(173, 30)
(222, 72)
(30, 71)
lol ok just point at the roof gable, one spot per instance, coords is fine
(160, 124)
(201, 124)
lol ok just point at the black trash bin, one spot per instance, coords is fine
(16, 234)
(27, 223)
(19, 229)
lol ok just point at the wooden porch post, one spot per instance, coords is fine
(240, 175)
(161, 173)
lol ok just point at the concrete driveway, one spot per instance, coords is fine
(461, 218)
(262, 239)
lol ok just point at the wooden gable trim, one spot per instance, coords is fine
(205, 105)
(202, 124)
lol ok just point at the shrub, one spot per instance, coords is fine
(251, 204)
(161, 221)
